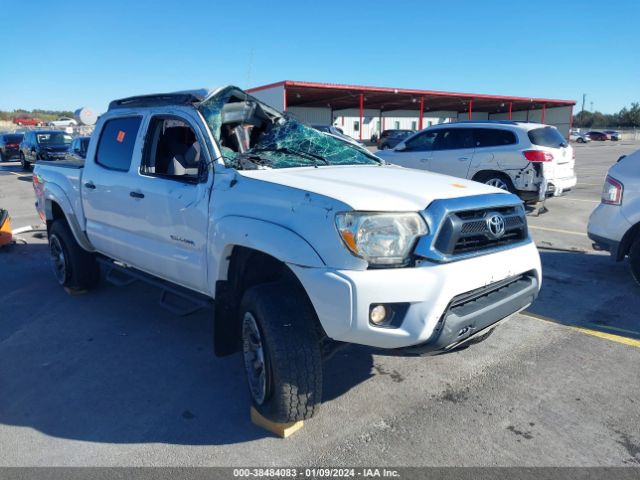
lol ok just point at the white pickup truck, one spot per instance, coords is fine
(302, 240)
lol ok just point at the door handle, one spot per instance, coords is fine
(463, 158)
(90, 185)
(425, 159)
(136, 194)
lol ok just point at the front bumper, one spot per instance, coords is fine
(434, 316)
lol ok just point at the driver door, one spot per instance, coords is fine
(453, 152)
(417, 151)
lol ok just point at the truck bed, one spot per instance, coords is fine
(62, 163)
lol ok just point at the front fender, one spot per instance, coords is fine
(270, 238)
(54, 194)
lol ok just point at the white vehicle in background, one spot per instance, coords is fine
(530, 159)
(579, 137)
(63, 122)
(614, 225)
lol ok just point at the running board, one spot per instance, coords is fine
(178, 300)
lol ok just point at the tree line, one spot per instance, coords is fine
(44, 115)
(627, 117)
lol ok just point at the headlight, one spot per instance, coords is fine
(381, 238)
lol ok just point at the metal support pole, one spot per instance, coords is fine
(544, 110)
(471, 109)
(361, 112)
(510, 110)
(421, 113)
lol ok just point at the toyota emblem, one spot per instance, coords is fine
(495, 225)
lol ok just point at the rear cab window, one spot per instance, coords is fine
(547, 137)
(115, 147)
(13, 138)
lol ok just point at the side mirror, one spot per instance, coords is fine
(623, 156)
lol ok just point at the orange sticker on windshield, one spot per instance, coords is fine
(120, 137)
(458, 185)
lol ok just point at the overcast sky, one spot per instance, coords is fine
(64, 54)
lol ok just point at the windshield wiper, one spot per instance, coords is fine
(292, 151)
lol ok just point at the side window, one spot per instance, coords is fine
(423, 142)
(115, 147)
(454, 139)
(172, 150)
(494, 137)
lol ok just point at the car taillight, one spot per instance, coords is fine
(612, 191)
(538, 156)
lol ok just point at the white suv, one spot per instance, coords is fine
(614, 225)
(530, 159)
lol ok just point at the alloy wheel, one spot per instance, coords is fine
(254, 358)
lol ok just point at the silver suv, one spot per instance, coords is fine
(530, 159)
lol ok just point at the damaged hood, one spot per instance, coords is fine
(373, 188)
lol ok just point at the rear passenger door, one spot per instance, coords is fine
(495, 150)
(107, 183)
(453, 152)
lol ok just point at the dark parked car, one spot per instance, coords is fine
(78, 148)
(10, 145)
(598, 136)
(614, 135)
(391, 138)
(43, 145)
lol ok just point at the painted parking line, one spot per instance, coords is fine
(557, 230)
(580, 199)
(596, 333)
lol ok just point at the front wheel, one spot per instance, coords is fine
(281, 352)
(23, 162)
(73, 267)
(634, 258)
(580, 140)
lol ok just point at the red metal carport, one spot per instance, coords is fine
(341, 97)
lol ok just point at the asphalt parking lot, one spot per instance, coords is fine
(110, 378)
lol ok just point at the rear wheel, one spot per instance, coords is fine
(73, 267)
(634, 258)
(580, 140)
(281, 352)
(496, 179)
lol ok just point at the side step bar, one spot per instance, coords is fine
(178, 300)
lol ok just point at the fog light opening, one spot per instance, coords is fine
(378, 314)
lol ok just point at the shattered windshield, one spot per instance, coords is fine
(252, 135)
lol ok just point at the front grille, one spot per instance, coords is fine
(469, 230)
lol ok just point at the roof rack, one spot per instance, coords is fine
(503, 122)
(160, 99)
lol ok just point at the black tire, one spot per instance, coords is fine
(580, 140)
(73, 267)
(291, 363)
(495, 179)
(634, 258)
(23, 162)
